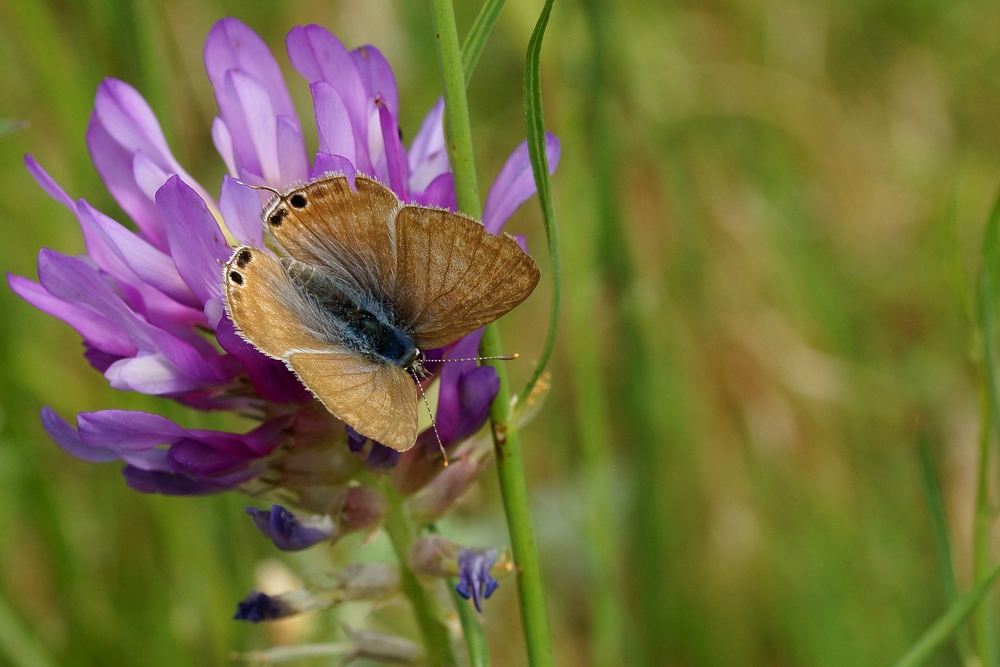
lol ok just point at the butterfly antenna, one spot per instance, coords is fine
(502, 357)
(433, 423)
(268, 188)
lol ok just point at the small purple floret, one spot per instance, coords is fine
(474, 579)
(286, 530)
(259, 607)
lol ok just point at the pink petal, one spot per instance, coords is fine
(240, 207)
(231, 45)
(336, 135)
(515, 184)
(97, 330)
(376, 74)
(333, 164)
(197, 244)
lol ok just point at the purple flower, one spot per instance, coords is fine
(474, 579)
(257, 607)
(148, 304)
(290, 532)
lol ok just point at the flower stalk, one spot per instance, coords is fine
(506, 438)
(429, 615)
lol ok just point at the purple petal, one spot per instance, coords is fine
(232, 45)
(97, 330)
(515, 184)
(382, 457)
(336, 134)
(292, 159)
(196, 242)
(240, 207)
(168, 483)
(259, 607)
(127, 429)
(428, 155)
(474, 576)
(319, 56)
(254, 125)
(269, 377)
(333, 164)
(376, 74)
(69, 439)
(289, 532)
(150, 374)
(47, 182)
(223, 141)
(395, 156)
(150, 265)
(114, 164)
(199, 458)
(440, 193)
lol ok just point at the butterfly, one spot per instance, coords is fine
(364, 284)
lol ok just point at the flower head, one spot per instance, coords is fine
(149, 303)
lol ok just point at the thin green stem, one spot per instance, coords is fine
(540, 169)
(986, 626)
(457, 129)
(478, 34)
(939, 633)
(430, 616)
(506, 438)
(472, 629)
(942, 543)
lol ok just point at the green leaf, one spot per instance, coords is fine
(540, 168)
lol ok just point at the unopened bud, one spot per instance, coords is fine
(437, 498)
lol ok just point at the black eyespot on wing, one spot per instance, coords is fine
(243, 258)
(298, 200)
(277, 217)
(236, 277)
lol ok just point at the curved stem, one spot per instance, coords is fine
(506, 439)
(430, 616)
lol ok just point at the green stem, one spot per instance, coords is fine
(939, 633)
(428, 612)
(472, 629)
(506, 439)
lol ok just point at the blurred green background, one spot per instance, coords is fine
(757, 321)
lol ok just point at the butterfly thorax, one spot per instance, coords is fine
(350, 319)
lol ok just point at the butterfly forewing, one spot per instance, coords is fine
(348, 233)
(379, 401)
(265, 306)
(452, 276)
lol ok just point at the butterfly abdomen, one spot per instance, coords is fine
(350, 320)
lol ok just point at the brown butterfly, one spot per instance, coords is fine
(365, 285)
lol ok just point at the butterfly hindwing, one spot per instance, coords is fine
(379, 401)
(452, 276)
(349, 233)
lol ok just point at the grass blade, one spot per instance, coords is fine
(535, 122)
(939, 633)
(939, 533)
(478, 34)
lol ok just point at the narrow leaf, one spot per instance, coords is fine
(540, 168)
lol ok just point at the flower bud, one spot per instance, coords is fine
(291, 532)
(437, 498)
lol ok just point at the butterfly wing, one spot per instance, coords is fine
(452, 276)
(349, 233)
(377, 400)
